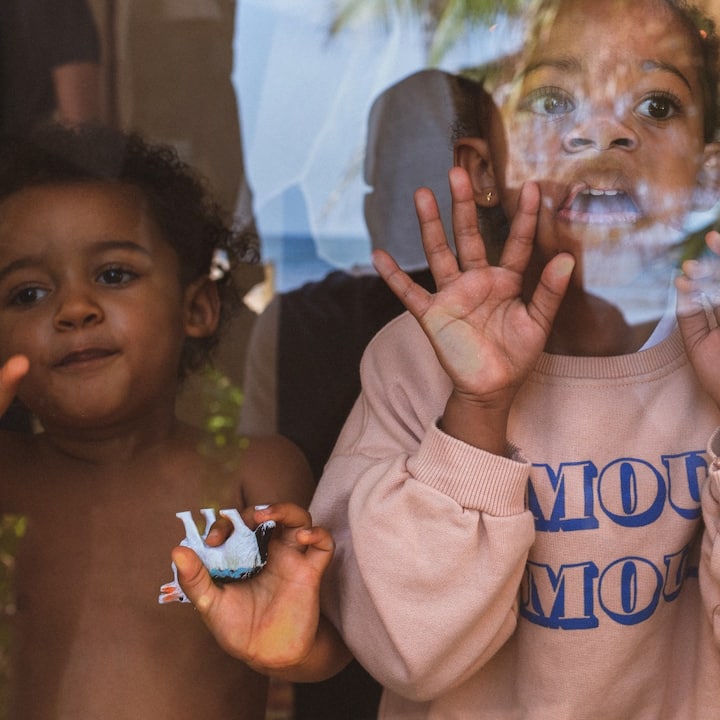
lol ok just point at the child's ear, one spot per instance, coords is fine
(473, 154)
(707, 191)
(201, 308)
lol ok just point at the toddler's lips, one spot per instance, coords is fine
(600, 206)
(84, 357)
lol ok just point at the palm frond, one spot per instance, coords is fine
(351, 12)
(444, 20)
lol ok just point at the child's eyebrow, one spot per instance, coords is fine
(29, 261)
(19, 264)
(110, 244)
(566, 63)
(572, 65)
(666, 67)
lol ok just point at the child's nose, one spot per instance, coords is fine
(603, 132)
(77, 309)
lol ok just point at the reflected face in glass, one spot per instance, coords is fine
(606, 114)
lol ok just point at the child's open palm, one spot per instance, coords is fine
(698, 302)
(484, 334)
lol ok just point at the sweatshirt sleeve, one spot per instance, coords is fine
(710, 554)
(432, 534)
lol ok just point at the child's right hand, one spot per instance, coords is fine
(11, 373)
(486, 337)
(269, 621)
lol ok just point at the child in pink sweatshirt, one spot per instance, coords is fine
(524, 500)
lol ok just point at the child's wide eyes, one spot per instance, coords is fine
(116, 276)
(551, 101)
(555, 102)
(28, 296)
(659, 106)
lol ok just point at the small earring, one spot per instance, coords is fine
(489, 196)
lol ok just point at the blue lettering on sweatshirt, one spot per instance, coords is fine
(632, 493)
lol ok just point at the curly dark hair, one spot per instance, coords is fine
(181, 202)
(703, 34)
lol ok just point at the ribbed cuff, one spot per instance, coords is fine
(474, 478)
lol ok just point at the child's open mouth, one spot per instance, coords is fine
(600, 207)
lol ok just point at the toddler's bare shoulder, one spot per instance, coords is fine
(273, 469)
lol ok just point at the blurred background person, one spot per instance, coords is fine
(50, 54)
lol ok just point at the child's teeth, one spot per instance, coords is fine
(593, 191)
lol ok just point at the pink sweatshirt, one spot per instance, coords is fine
(574, 581)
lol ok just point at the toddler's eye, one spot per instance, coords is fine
(659, 106)
(28, 296)
(116, 276)
(551, 101)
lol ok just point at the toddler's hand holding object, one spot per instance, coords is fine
(241, 556)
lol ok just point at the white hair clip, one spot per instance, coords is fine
(219, 265)
(241, 556)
